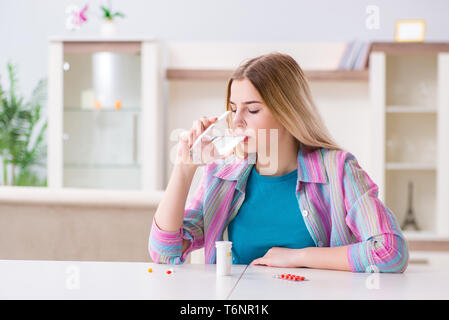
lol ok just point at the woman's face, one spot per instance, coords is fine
(249, 115)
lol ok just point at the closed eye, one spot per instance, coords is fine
(253, 111)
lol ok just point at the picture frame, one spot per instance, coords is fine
(410, 30)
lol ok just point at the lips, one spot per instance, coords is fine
(242, 133)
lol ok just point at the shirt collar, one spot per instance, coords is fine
(311, 168)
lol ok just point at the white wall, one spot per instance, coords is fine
(26, 24)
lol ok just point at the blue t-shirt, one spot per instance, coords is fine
(269, 217)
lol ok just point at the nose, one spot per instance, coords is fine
(238, 121)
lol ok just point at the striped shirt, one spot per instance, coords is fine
(337, 198)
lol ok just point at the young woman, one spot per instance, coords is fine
(304, 203)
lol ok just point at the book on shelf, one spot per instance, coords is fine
(356, 56)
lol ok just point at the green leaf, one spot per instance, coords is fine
(18, 121)
(119, 14)
(106, 11)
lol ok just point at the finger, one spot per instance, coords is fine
(256, 261)
(184, 136)
(195, 127)
(208, 121)
(204, 121)
(191, 138)
(213, 119)
(202, 126)
(205, 140)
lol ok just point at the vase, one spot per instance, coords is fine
(108, 28)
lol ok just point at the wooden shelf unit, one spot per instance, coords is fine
(393, 48)
(80, 139)
(224, 74)
(410, 100)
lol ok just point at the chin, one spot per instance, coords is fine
(248, 149)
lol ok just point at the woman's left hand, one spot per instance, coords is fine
(280, 257)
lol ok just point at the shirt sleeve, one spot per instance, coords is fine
(382, 246)
(166, 246)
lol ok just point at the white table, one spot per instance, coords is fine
(21, 279)
(427, 277)
(419, 282)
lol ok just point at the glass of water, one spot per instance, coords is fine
(220, 135)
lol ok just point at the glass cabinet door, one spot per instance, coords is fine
(101, 119)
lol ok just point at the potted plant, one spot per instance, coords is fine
(21, 133)
(108, 26)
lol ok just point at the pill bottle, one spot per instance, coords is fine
(223, 257)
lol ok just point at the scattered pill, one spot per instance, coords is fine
(169, 271)
(150, 270)
(289, 276)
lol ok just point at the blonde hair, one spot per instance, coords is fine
(285, 91)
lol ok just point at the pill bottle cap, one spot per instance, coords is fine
(221, 244)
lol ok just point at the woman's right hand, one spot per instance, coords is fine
(187, 138)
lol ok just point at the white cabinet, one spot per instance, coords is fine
(409, 91)
(105, 113)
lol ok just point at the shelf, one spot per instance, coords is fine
(423, 195)
(410, 109)
(80, 197)
(423, 235)
(224, 74)
(410, 166)
(426, 241)
(411, 140)
(411, 81)
(85, 45)
(96, 38)
(78, 109)
(410, 48)
(100, 166)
